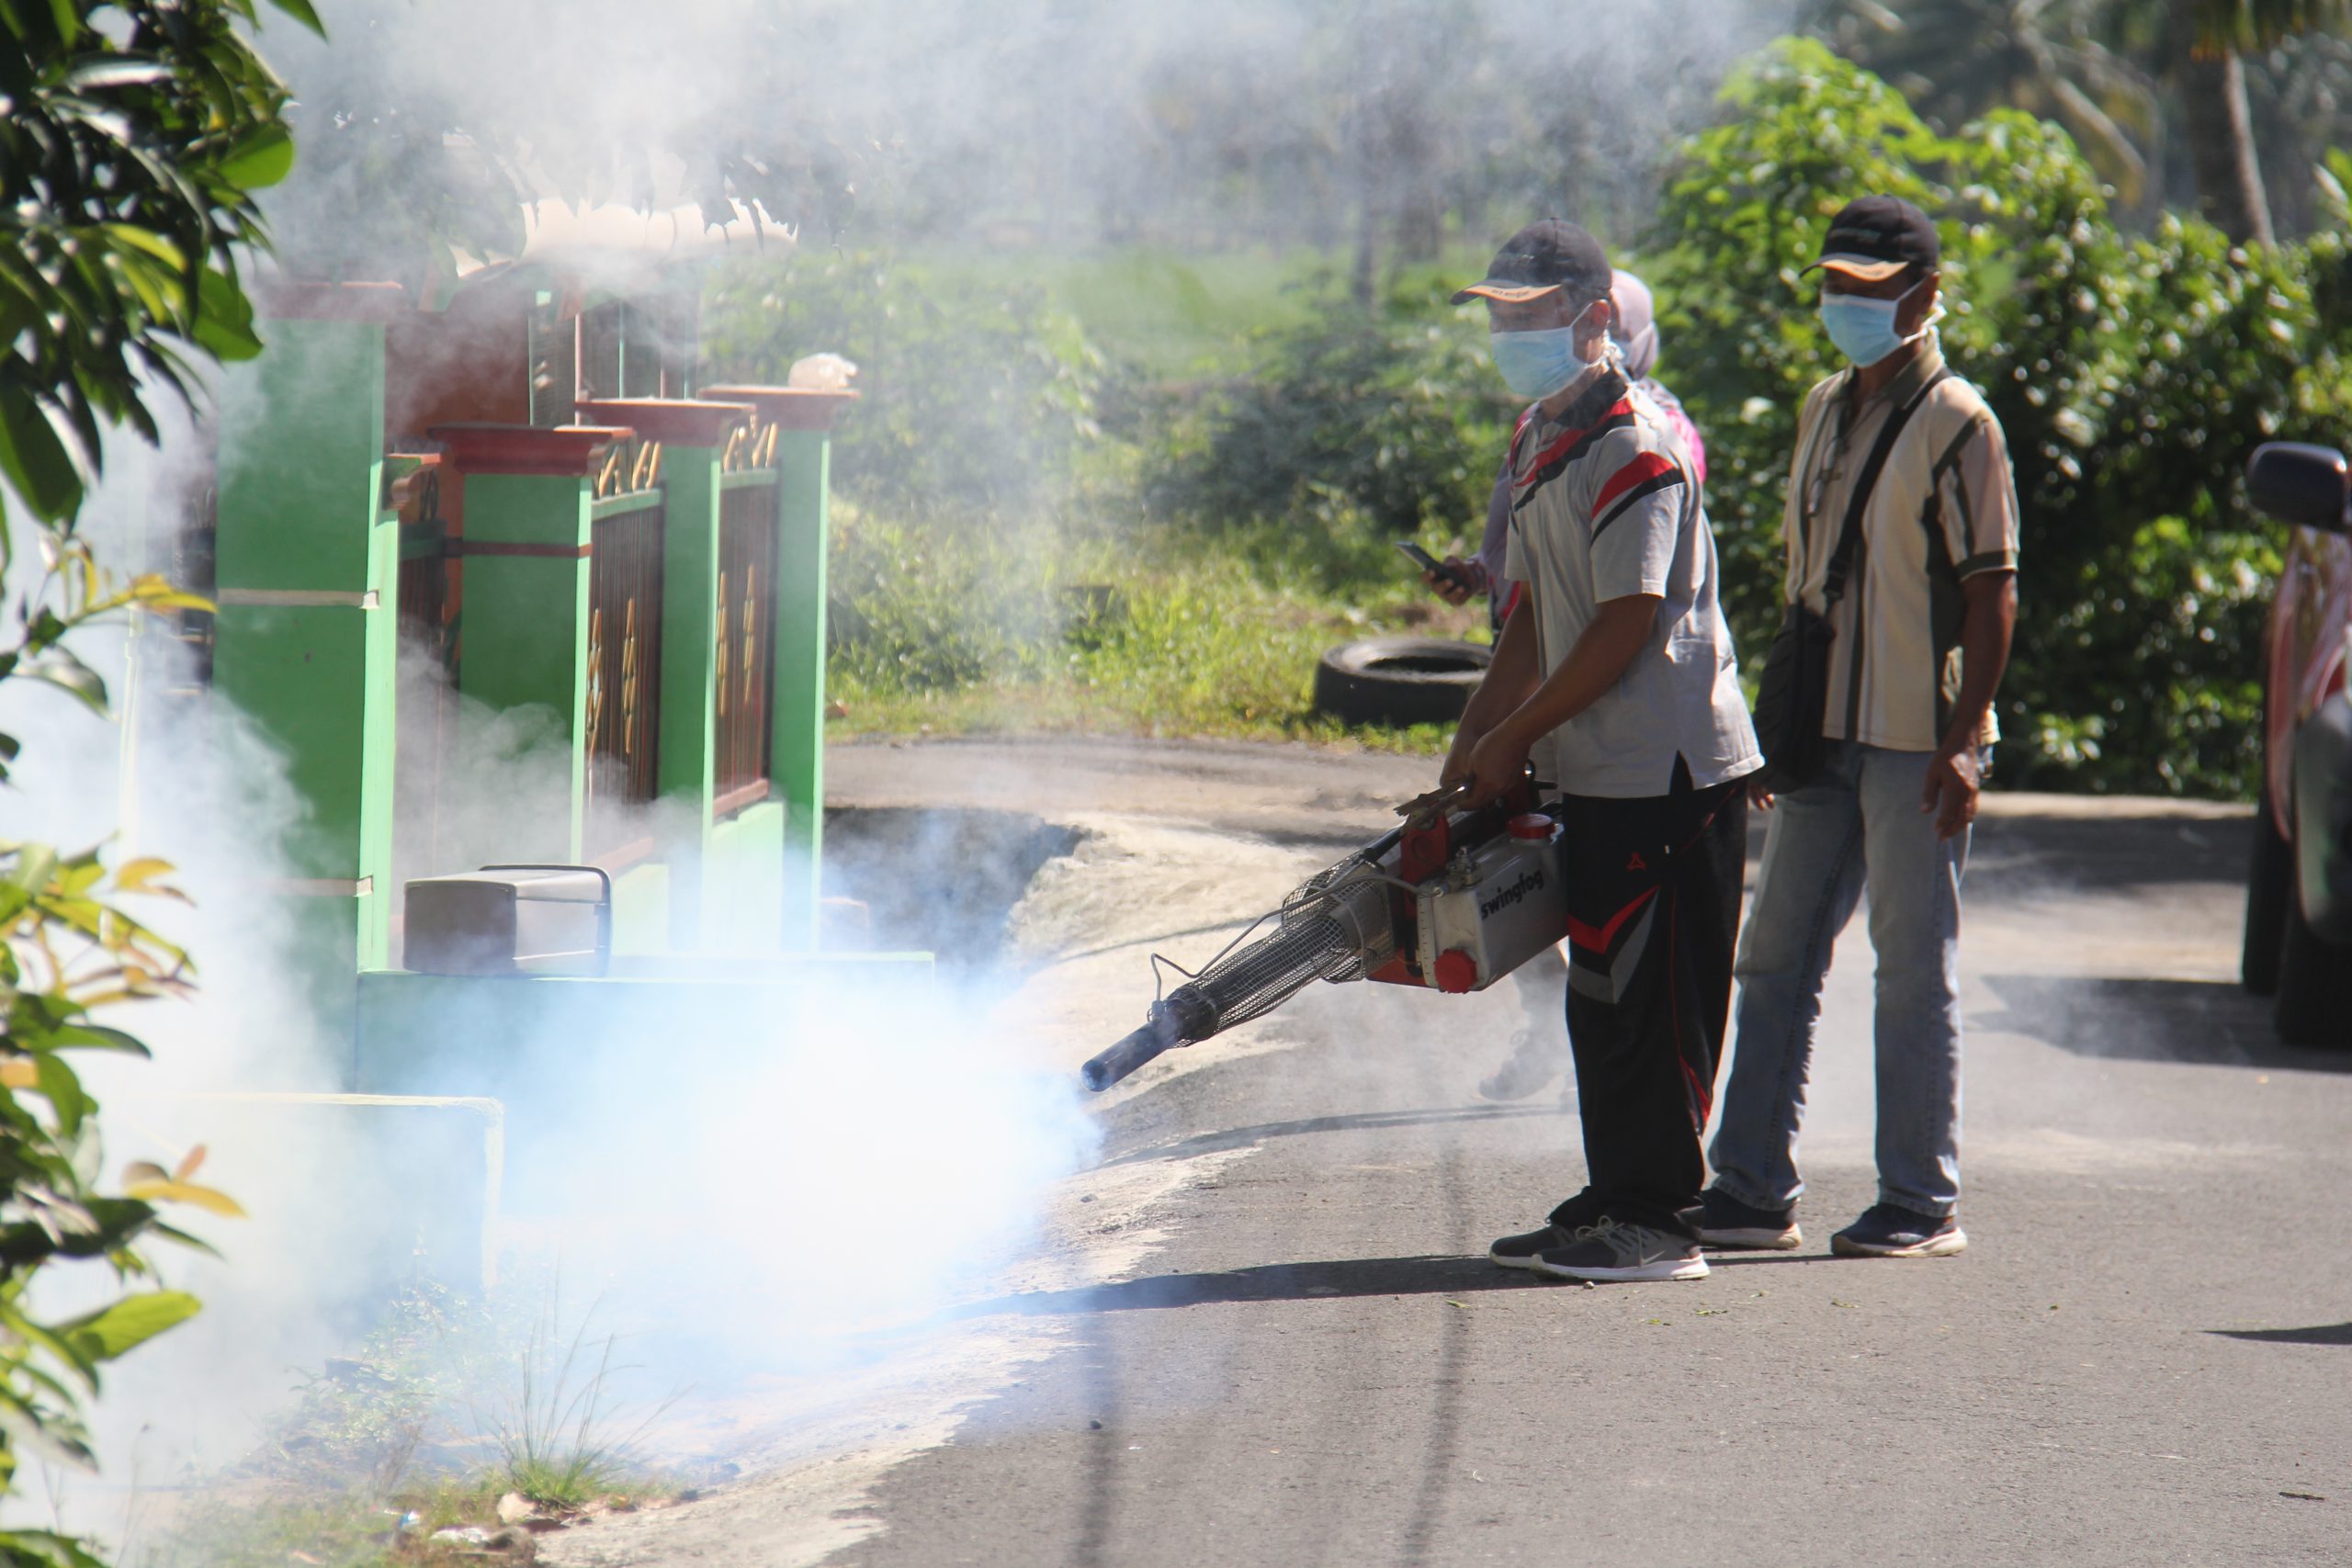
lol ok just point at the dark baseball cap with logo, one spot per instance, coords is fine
(1875, 237)
(1545, 255)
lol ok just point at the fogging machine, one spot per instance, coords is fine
(1451, 901)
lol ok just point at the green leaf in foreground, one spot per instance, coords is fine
(224, 320)
(128, 1323)
(33, 460)
(261, 157)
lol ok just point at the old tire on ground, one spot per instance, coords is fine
(1399, 679)
(2314, 1001)
(2269, 886)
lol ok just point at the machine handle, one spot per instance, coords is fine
(604, 904)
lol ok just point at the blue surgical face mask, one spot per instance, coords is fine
(1863, 327)
(1537, 365)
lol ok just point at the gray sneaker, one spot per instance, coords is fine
(1610, 1251)
(1534, 1061)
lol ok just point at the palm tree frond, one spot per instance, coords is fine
(2245, 27)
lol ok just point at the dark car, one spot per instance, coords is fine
(2299, 895)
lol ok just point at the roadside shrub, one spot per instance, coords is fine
(925, 608)
(2132, 377)
(1357, 428)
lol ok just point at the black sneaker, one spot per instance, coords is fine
(1610, 1251)
(1723, 1222)
(1560, 1228)
(1575, 1213)
(1887, 1231)
(1521, 1251)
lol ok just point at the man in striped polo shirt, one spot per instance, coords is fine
(1922, 636)
(1614, 676)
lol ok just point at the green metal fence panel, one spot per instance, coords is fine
(804, 458)
(306, 584)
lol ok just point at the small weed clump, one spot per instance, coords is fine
(455, 1431)
(560, 1442)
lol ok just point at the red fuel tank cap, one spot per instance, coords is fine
(1456, 971)
(1529, 825)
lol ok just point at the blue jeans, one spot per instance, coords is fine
(1859, 828)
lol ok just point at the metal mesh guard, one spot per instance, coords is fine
(1334, 928)
(1267, 973)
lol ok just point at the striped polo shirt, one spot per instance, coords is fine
(1944, 509)
(1603, 507)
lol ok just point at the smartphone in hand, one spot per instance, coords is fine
(1434, 566)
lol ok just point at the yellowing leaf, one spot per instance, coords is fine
(155, 591)
(168, 1192)
(133, 875)
(18, 1073)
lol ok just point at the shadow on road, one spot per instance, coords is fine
(1248, 1137)
(2324, 1334)
(1336, 1281)
(2017, 857)
(1339, 1280)
(2209, 1022)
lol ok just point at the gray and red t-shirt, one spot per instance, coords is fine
(1499, 590)
(1603, 506)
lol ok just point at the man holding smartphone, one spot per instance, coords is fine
(1614, 674)
(1634, 335)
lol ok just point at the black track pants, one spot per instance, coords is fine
(1653, 888)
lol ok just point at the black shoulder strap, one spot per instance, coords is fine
(1849, 538)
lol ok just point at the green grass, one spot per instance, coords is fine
(1169, 315)
(1201, 637)
(953, 627)
(1173, 315)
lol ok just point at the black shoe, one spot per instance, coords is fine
(1561, 1228)
(1887, 1230)
(1723, 1222)
(1519, 1251)
(1576, 1213)
(1610, 1251)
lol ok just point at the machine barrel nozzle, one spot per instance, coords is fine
(1131, 1053)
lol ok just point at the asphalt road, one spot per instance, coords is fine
(2144, 1356)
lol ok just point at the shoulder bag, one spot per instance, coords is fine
(1793, 698)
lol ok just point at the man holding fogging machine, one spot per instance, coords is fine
(1876, 712)
(1615, 670)
(1538, 1048)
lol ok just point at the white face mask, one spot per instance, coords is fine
(1537, 365)
(1863, 327)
